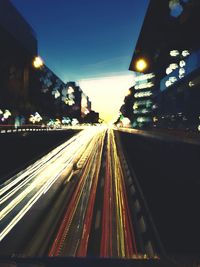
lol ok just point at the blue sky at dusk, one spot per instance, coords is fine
(85, 39)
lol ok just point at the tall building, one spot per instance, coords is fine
(73, 100)
(78, 104)
(18, 47)
(85, 105)
(170, 46)
(24, 89)
(46, 90)
(143, 102)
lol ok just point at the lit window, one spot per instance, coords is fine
(144, 85)
(143, 94)
(173, 66)
(181, 71)
(168, 71)
(173, 79)
(191, 84)
(182, 63)
(144, 77)
(174, 53)
(168, 83)
(185, 53)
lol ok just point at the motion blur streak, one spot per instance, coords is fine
(118, 238)
(21, 191)
(117, 233)
(73, 233)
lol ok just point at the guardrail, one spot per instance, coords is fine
(7, 129)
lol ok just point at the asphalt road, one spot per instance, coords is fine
(34, 184)
(72, 197)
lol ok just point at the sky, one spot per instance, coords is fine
(90, 42)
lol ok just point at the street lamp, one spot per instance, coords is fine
(38, 62)
(141, 65)
(128, 92)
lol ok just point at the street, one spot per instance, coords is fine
(103, 193)
(92, 206)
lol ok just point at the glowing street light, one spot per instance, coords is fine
(38, 62)
(128, 92)
(141, 64)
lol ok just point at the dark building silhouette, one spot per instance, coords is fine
(45, 93)
(73, 100)
(92, 117)
(18, 47)
(78, 104)
(170, 44)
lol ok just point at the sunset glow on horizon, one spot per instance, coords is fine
(107, 94)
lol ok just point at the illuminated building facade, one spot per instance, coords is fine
(73, 100)
(171, 46)
(142, 105)
(46, 90)
(77, 104)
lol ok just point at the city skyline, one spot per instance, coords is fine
(99, 133)
(88, 41)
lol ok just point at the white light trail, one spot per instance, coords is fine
(25, 188)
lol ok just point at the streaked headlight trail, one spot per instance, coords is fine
(22, 190)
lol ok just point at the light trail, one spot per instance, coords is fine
(118, 238)
(36, 166)
(72, 236)
(117, 228)
(37, 179)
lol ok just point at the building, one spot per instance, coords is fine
(27, 90)
(142, 100)
(46, 90)
(170, 46)
(24, 89)
(18, 47)
(85, 105)
(92, 117)
(77, 104)
(72, 100)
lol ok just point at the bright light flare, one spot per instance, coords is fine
(38, 62)
(141, 65)
(107, 93)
